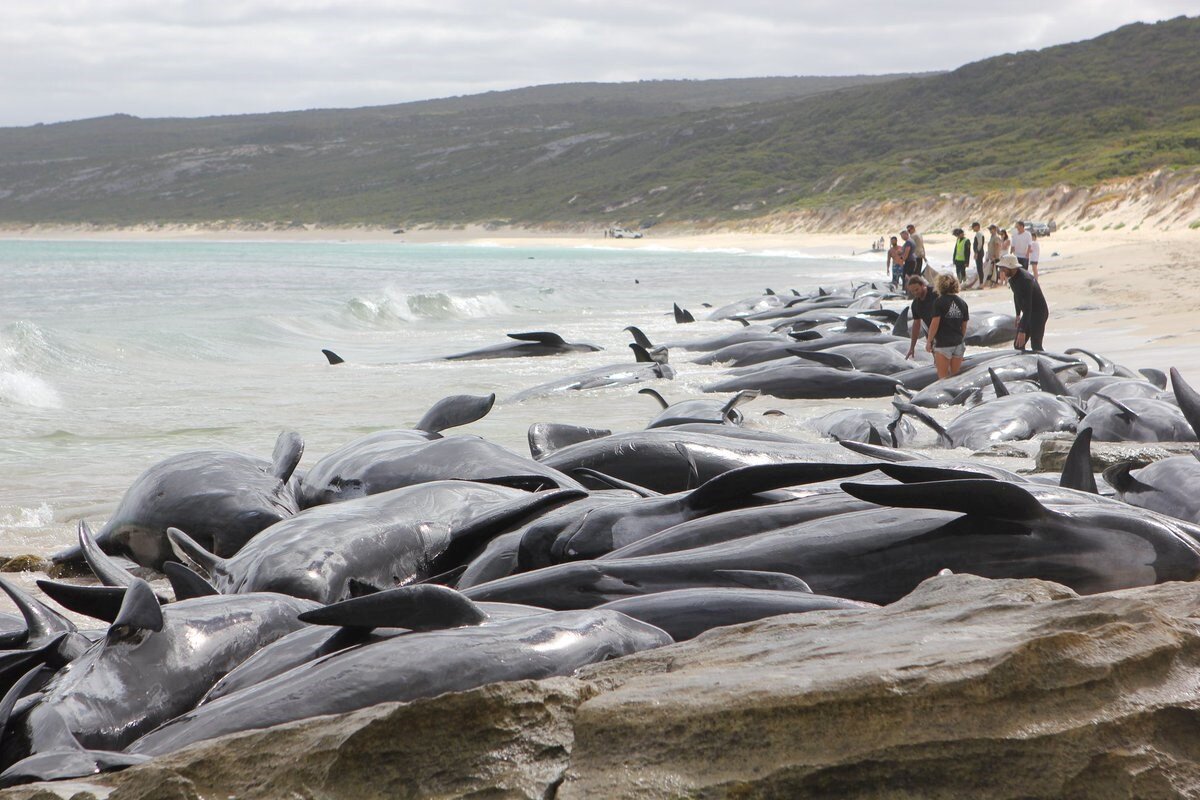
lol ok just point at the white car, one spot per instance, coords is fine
(621, 233)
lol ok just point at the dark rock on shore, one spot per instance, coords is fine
(966, 688)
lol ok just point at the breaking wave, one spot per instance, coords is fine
(395, 307)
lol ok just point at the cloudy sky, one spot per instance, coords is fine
(72, 59)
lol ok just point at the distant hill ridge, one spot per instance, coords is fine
(1120, 105)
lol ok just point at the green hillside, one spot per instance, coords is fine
(1122, 104)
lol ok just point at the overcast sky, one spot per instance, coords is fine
(72, 59)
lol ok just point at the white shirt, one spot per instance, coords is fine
(1021, 242)
(1035, 250)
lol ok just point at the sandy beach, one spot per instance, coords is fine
(1113, 287)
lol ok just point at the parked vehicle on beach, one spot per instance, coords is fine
(617, 232)
(1042, 228)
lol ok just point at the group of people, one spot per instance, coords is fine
(943, 317)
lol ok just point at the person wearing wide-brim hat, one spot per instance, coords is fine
(1030, 304)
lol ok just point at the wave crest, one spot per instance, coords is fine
(393, 307)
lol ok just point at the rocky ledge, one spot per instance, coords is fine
(966, 688)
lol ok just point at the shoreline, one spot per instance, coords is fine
(1129, 293)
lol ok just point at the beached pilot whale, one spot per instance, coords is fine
(533, 343)
(220, 497)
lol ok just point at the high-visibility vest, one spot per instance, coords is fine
(961, 248)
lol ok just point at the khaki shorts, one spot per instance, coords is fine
(957, 351)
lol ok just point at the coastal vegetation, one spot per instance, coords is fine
(1122, 104)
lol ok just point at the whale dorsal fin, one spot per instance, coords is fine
(1049, 381)
(186, 547)
(420, 607)
(456, 410)
(1155, 376)
(835, 360)
(873, 436)
(108, 571)
(289, 447)
(41, 621)
(744, 396)
(1127, 414)
(989, 498)
(997, 384)
(1077, 471)
(185, 583)
(98, 602)
(139, 611)
(541, 337)
(653, 393)
(638, 336)
(333, 358)
(1188, 399)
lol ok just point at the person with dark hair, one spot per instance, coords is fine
(921, 312)
(947, 327)
(961, 255)
(918, 246)
(994, 252)
(895, 260)
(978, 247)
(911, 265)
(1031, 307)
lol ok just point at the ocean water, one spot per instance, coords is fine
(115, 355)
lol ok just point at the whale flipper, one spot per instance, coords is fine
(456, 410)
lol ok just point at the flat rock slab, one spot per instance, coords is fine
(1052, 454)
(968, 687)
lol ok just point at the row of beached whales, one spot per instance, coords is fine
(409, 563)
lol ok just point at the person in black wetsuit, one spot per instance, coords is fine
(922, 310)
(1030, 303)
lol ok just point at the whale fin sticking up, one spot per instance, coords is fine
(333, 358)
(759, 579)
(835, 360)
(738, 484)
(873, 435)
(653, 393)
(108, 571)
(639, 337)
(742, 397)
(860, 325)
(682, 315)
(98, 602)
(821, 291)
(900, 327)
(998, 385)
(1103, 364)
(421, 607)
(186, 548)
(456, 410)
(289, 447)
(693, 476)
(990, 498)
(546, 437)
(140, 611)
(745, 322)
(890, 455)
(804, 336)
(924, 417)
(768, 291)
(185, 583)
(541, 337)
(1155, 376)
(15, 693)
(608, 481)
(1127, 414)
(42, 623)
(656, 355)
(1188, 399)
(465, 540)
(910, 472)
(1120, 477)
(1077, 471)
(962, 397)
(1048, 380)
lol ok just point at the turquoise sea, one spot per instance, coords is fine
(114, 355)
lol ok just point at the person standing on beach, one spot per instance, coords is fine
(895, 260)
(1035, 253)
(918, 246)
(1022, 243)
(948, 327)
(921, 312)
(1032, 310)
(909, 253)
(977, 248)
(993, 251)
(1005, 249)
(961, 255)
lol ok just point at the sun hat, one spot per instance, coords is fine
(1008, 261)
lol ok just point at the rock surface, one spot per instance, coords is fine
(1053, 449)
(966, 688)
